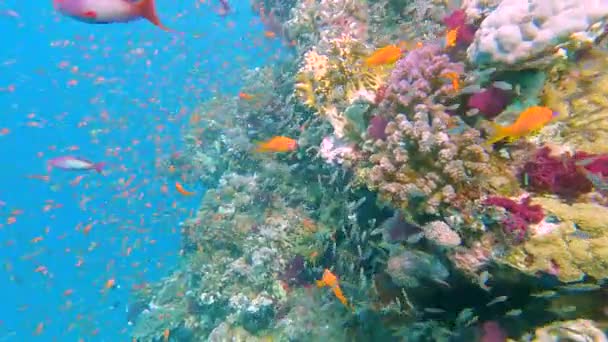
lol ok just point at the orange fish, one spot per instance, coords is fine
(383, 56)
(166, 334)
(277, 144)
(329, 279)
(110, 284)
(180, 188)
(269, 34)
(245, 96)
(450, 38)
(529, 121)
(455, 78)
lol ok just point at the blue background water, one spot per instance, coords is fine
(150, 79)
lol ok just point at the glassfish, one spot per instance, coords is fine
(109, 11)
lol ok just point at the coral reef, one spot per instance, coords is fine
(576, 330)
(393, 190)
(572, 250)
(420, 163)
(580, 95)
(332, 82)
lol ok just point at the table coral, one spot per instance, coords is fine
(522, 33)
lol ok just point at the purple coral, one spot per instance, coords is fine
(520, 214)
(376, 128)
(458, 20)
(421, 75)
(558, 175)
(598, 165)
(490, 102)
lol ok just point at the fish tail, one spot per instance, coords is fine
(498, 133)
(99, 167)
(261, 147)
(147, 9)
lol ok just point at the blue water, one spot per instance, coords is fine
(121, 94)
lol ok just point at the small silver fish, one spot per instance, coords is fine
(497, 300)
(502, 85)
(513, 313)
(434, 310)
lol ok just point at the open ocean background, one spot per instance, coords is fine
(121, 94)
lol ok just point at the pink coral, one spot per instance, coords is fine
(376, 128)
(521, 214)
(333, 150)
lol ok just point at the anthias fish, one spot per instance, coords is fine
(109, 11)
(529, 121)
(74, 163)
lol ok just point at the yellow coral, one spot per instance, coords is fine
(571, 253)
(581, 97)
(331, 81)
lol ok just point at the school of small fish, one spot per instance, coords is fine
(98, 220)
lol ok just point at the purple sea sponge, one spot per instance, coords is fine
(376, 128)
(521, 214)
(558, 175)
(490, 102)
(458, 20)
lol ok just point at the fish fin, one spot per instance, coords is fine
(99, 167)
(261, 147)
(499, 133)
(147, 9)
(90, 14)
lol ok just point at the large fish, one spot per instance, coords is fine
(73, 163)
(109, 11)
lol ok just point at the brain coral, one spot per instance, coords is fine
(520, 31)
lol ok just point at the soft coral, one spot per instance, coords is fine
(520, 214)
(558, 175)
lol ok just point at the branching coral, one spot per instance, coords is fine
(331, 81)
(429, 159)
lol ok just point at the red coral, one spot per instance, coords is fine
(561, 176)
(521, 214)
(597, 165)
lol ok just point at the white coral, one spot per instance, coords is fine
(520, 31)
(440, 233)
